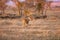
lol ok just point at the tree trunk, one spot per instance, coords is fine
(3, 11)
(19, 11)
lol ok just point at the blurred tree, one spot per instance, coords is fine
(20, 7)
(40, 7)
(2, 5)
(49, 4)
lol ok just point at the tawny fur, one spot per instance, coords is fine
(25, 21)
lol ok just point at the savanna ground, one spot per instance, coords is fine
(39, 29)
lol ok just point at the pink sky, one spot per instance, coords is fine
(11, 3)
(54, 4)
(52, 0)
